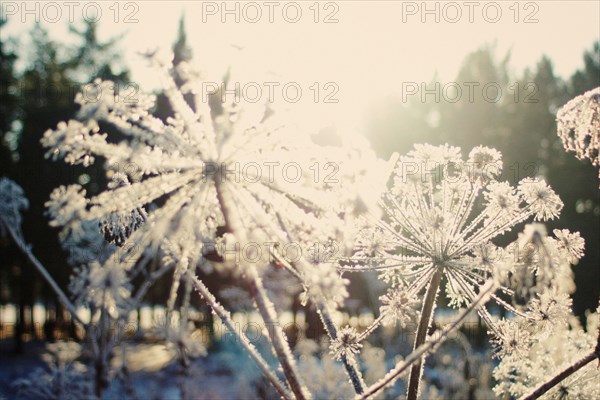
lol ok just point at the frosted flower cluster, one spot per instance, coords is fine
(545, 349)
(346, 344)
(544, 337)
(199, 164)
(442, 214)
(399, 306)
(537, 262)
(579, 126)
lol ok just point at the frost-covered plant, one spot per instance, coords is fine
(440, 217)
(201, 167)
(551, 353)
(96, 284)
(187, 200)
(106, 292)
(64, 378)
(205, 196)
(579, 126)
(543, 350)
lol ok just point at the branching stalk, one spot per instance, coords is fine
(349, 364)
(234, 224)
(418, 353)
(226, 318)
(277, 336)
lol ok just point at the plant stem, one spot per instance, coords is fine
(349, 364)
(62, 297)
(277, 336)
(234, 225)
(424, 322)
(325, 316)
(225, 317)
(418, 353)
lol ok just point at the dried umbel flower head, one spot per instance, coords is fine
(195, 167)
(441, 215)
(399, 306)
(579, 126)
(347, 343)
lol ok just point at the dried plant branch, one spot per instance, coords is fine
(233, 224)
(418, 353)
(62, 297)
(248, 346)
(278, 339)
(325, 316)
(349, 364)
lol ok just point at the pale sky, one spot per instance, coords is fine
(372, 49)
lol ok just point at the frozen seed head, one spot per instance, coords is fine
(550, 311)
(346, 343)
(486, 162)
(443, 212)
(578, 124)
(210, 158)
(541, 198)
(66, 205)
(399, 307)
(571, 242)
(511, 339)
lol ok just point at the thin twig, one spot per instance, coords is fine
(416, 355)
(226, 318)
(235, 225)
(277, 336)
(62, 297)
(350, 366)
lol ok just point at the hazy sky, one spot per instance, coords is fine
(369, 49)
